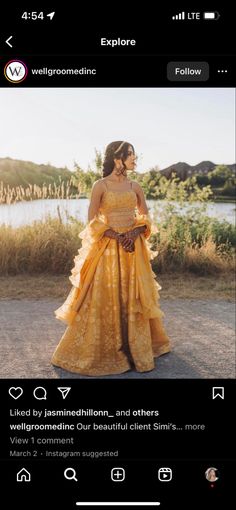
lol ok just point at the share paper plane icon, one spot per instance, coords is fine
(64, 391)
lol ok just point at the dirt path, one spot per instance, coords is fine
(202, 334)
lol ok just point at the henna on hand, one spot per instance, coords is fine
(111, 234)
(133, 234)
(128, 244)
(126, 241)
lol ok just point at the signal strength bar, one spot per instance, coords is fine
(181, 16)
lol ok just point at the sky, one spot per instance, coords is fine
(62, 126)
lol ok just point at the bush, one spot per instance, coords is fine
(193, 242)
(43, 247)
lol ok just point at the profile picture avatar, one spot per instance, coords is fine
(15, 71)
(211, 474)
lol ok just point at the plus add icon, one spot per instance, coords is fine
(117, 474)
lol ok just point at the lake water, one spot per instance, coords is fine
(24, 213)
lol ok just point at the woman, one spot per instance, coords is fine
(211, 475)
(114, 321)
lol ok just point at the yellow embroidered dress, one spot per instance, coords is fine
(112, 311)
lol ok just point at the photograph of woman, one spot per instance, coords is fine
(211, 474)
(114, 322)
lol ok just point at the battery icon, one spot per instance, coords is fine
(211, 15)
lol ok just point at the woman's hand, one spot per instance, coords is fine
(126, 242)
(133, 234)
(111, 234)
(127, 239)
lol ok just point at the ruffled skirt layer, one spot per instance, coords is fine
(113, 315)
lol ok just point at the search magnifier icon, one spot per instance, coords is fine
(70, 474)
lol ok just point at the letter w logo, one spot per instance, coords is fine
(15, 70)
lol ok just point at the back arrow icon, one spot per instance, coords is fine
(7, 41)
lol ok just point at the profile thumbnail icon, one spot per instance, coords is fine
(15, 71)
(211, 474)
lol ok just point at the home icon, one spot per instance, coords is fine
(23, 476)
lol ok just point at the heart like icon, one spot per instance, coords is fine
(15, 392)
